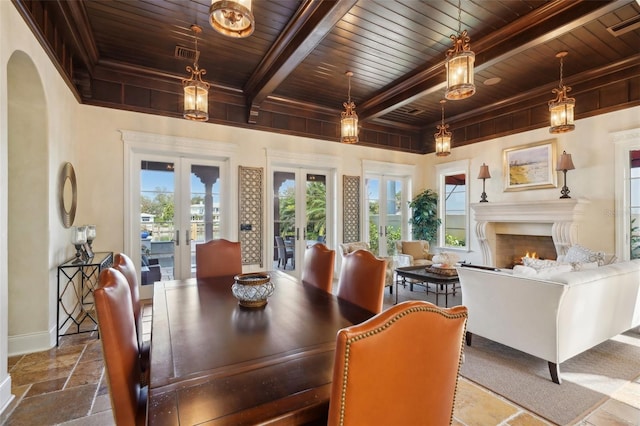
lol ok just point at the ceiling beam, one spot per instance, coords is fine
(311, 23)
(545, 23)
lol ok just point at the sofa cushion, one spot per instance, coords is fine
(579, 254)
(414, 249)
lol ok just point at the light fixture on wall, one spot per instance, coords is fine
(78, 239)
(484, 175)
(196, 91)
(561, 108)
(459, 64)
(91, 234)
(443, 137)
(349, 118)
(565, 163)
(232, 18)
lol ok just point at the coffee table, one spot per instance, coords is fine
(444, 284)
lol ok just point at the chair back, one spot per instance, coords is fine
(400, 367)
(125, 266)
(319, 262)
(120, 347)
(362, 280)
(217, 258)
(281, 247)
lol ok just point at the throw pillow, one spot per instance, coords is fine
(553, 270)
(538, 264)
(579, 254)
(413, 249)
(351, 247)
(579, 266)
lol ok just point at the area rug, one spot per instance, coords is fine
(588, 379)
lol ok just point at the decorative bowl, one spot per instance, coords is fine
(252, 289)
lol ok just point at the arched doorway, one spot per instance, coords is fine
(27, 207)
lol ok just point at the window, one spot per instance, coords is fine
(453, 204)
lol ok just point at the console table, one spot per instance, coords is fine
(76, 281)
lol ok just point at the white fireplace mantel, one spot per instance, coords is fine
(562, 214)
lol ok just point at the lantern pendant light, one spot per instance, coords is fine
(349, 118)
(232, 18)
(443, 137)
(459, 65)
(561, 108)
(196, 91)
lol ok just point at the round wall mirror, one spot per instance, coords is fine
(68, 195)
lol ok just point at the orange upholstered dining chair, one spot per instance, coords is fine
(319, 262)
(218, 258)
(124, 264)
(362, 280)
(400, 367)
(120, 348)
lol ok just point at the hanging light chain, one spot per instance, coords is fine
(459, 17)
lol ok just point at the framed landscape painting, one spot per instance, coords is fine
(530, 166)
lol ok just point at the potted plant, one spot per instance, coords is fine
(425, 218)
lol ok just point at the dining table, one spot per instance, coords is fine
(213, 361)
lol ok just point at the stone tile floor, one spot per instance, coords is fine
(66, 386)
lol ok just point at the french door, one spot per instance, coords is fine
(178, 205)
(384, 211)
(300, 214)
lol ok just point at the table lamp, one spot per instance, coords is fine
(484, 175)
(565, 164)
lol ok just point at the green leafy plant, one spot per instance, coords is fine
(424, 216)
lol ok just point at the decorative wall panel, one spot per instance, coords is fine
(250, 214)
(351, 209)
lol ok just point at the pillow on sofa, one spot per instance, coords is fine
(542, 272)
(538, 264)
(413, 249)
(579, 254)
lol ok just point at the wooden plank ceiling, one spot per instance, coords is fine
(288, 76)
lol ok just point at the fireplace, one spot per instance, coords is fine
(510, 248)
(552, 223)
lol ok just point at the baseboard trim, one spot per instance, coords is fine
(28, 343)
(5, 394)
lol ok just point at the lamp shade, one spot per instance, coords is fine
(484, 172)
(565, 162)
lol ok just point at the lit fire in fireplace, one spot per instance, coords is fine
(520, 261)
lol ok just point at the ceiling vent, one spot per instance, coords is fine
(186, 53)
(415, 111)
(625, 26)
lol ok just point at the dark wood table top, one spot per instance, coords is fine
(213, 361)
(419, 272)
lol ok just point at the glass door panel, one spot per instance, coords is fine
(157, 221)
(300, 215)
(284, 219)
(180, 206)
(393, 215)
(316, 209)
(385, 219)
(373, 190)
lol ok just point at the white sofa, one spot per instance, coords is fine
(553, 318)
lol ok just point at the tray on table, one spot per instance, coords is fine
(440, 269)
